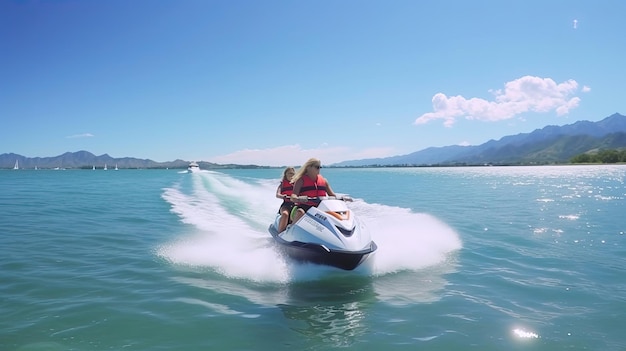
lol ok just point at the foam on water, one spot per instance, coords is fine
(228, 220)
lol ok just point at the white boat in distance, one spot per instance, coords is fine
(17, 165)
(193, 167)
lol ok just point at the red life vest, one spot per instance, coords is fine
(312, 188)
(286, 188)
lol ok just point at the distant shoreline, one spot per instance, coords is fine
(90, 168)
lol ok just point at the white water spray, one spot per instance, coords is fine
(228, 220)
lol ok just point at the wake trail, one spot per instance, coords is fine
(228, 220)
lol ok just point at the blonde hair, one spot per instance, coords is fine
(286, 171)
(302, 170)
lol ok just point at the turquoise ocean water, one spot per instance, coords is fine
(490, 258)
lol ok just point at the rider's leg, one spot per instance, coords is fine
(297, 214)
(284, 220)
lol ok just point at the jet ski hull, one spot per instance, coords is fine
(319, 254)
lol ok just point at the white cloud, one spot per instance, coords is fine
(84, 135)
(294, 155)
(525, 94)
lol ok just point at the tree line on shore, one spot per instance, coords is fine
(602, 156)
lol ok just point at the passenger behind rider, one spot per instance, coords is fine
(284, 191)
(308, 182)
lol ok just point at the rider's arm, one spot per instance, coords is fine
(296, 188)
(279, 194)
(329, 190)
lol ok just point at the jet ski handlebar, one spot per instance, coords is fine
(305, 198)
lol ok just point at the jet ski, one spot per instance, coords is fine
(329, 234)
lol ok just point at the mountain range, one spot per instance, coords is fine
(87, 160)
(549, 145)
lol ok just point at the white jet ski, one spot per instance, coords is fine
(329, 234)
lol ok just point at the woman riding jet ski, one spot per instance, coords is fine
(324, 231)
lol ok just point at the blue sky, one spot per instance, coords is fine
(277, 82)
